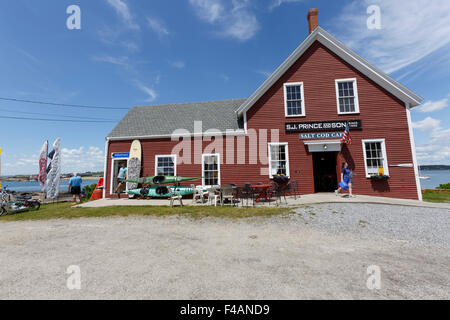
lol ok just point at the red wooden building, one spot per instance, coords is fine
(291, 125)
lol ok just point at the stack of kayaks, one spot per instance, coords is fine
(157, 189)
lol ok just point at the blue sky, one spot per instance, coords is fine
(136, 52)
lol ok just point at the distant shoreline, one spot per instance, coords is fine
(22, 179)
(434, 167)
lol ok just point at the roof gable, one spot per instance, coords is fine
(346, 54)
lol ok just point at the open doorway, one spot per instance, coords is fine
(116, 164)
(325, 178)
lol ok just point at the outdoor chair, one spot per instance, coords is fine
(174, 196)
(279, 191)
(292, 188)
(197, 194)
(212, 196)
(226, 192)
(246, 192)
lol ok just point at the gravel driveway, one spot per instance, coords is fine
(321, 252)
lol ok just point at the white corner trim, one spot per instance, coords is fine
(289, 84)
(355, 92)
(105, 166)
(174, 156)
(383, 148)
(413, 151)
(270, 157)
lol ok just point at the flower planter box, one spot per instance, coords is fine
(379, 178)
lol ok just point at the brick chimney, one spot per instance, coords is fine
(313, 19)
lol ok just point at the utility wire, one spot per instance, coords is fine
(49, 114)
(57, 120)
(61, 104)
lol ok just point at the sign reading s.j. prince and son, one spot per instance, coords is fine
(322, 125)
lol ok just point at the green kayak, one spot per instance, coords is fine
(155, 180)
(161, 191)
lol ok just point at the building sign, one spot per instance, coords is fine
(322, 125)
(121, 155)
(321, 135)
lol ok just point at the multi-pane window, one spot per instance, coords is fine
(210, 170)
(347, 96)
(375, 157)
(278, 159)
(293, 99)
(165, 165)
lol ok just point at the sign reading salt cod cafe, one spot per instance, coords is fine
(322, 125)
(321, 135)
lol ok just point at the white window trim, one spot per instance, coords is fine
(355, 91)
(270, 157)
(203, 167)
(174, 156)
(111, 191)
(383, 149)
(288, 84)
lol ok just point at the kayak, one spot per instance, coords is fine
(161, 180)
(161, 191)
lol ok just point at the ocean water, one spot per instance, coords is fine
(28, 186)
(437, 177)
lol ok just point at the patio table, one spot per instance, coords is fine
(262, 190)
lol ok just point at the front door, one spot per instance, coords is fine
(325, 178)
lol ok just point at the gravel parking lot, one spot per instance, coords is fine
(321, 252)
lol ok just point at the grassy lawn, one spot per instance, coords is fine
(436, 197)
(65, 211)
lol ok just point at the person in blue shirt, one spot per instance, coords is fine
(75, 187)
(346, 180)
(121, 177)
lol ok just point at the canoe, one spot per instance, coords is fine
(161, 191)
(155, 180)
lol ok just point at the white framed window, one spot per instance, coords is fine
(375, 156)
(347, 96)
(166, 165)
(211, 169)
(294, 99)
(278, 159)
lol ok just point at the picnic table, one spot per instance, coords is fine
(262, 191)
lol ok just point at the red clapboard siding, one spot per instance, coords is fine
(382, 115)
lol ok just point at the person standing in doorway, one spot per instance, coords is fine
(121, 177)
(346, 181)
(75, 188)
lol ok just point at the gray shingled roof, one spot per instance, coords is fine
(161, 120)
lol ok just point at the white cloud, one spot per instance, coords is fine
(158, 27)
(177, 64)
(236, 21)
(80, 160)
(120, 61)
(426, 124)
(124, 12)
(437, 150)
(208, 10)
(149, 91)
(277, 3)
(431, 106)
(264, 73)
(411, 30)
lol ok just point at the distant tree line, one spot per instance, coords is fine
(435, 167)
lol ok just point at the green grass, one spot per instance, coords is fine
(65, 211)
(435, 196)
